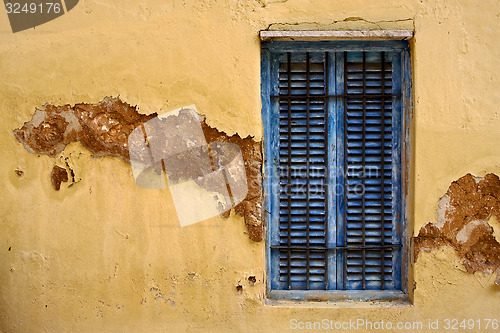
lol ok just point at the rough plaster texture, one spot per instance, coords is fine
(105, 255)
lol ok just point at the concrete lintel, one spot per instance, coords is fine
(266, 35)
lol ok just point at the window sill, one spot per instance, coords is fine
(337, 299)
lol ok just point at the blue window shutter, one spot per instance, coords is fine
(370, 150)
(333, 166)
(302, 244)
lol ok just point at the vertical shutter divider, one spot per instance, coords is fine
(338, 173)
(326, 78)
(363, 171)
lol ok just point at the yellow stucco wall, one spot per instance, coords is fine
(107, 256)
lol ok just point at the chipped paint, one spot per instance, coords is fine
(251, 207)
(58, 175)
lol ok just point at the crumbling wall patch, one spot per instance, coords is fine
(462, 223)
(104, 128)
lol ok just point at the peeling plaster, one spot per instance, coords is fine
(58, 175)
(104, 129)
(462, 223)
(250, 208)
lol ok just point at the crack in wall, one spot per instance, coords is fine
(462, 223)
(104, 130)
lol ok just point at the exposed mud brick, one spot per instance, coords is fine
(58, 175)
(463, 216)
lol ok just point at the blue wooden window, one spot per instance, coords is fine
(334, 122)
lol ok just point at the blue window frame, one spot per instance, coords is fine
(335, 137)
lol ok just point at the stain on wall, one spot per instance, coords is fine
(104, 129)
(463, 214)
